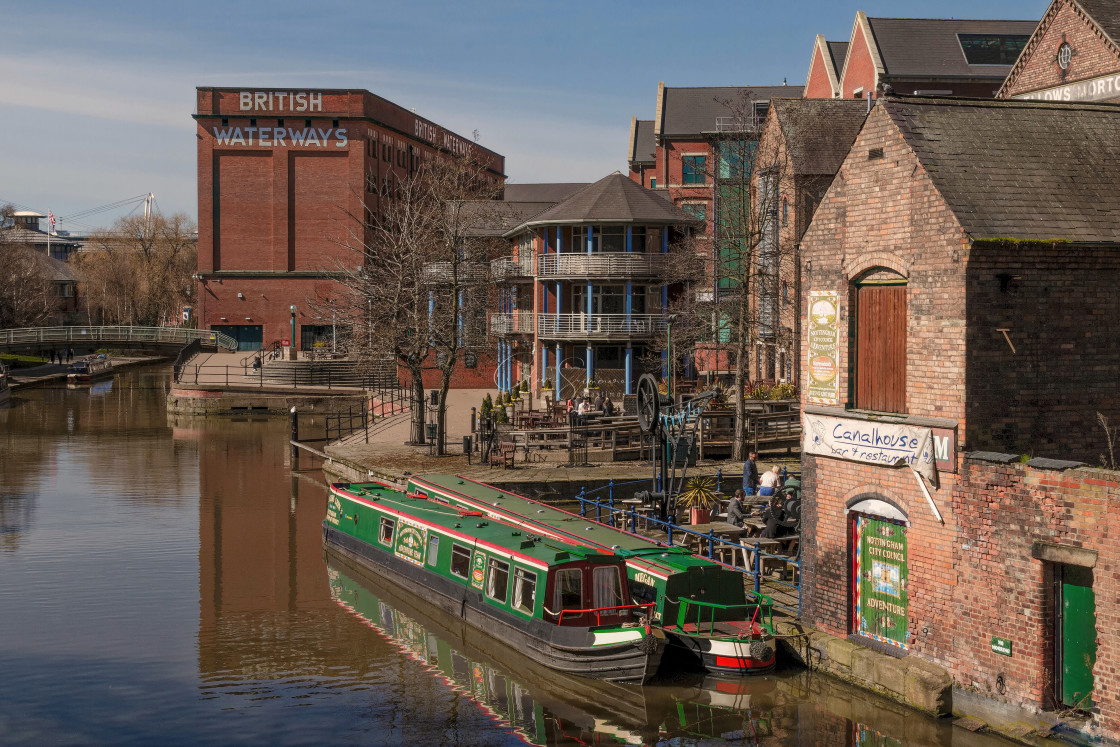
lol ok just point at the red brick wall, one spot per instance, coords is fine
(859, 72)
(1037, 68)
(318, 196)
(886, 212)
(244, 214)
(1002, 510)
(1058, 304)
(818, 86)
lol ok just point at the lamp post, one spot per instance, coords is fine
(292, 309)
(669, 344)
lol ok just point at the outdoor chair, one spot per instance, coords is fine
(503, 454)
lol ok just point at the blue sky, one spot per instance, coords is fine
(96, 97)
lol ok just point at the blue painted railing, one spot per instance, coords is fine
(630, 518)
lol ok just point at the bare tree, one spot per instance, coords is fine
(27, 295)
(737, 310)
(139, 270)
(417, 296)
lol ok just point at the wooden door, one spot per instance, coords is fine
(880, 365)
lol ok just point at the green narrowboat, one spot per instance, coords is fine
(564, 605)
(702, 606)
(541, 706)
(517, 691)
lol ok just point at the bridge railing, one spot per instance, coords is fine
(101, 335)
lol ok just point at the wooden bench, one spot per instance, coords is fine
(503, 454)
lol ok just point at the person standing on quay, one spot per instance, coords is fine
(750, 474)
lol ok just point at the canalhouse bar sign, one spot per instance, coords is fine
(824, 342)
(888, 444)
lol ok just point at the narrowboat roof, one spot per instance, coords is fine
(514, 540)
(623, 543)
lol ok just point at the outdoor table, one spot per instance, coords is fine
(751, 546)
(720, 530)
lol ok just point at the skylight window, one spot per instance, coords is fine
(992, 49)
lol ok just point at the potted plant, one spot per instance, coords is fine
(699, 498)
(592, 384)
(547, 385)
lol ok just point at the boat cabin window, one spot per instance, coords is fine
(497, 579)
(608, 587)
(386, 532)
(524, 590)
(461, 561)
(568, 593)
(433, 549)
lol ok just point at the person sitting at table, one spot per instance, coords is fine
(772, 515)
(608, 407)
(770, 481)
(736, 514)
(598, 402)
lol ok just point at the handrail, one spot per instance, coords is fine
(598, 611)
(269, 348)
(84, 335)
(593, 325)
(763, 602)
(517, 322)
(603, 264)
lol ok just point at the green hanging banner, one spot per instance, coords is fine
(881, 573)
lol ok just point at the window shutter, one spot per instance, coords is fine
(881, 348)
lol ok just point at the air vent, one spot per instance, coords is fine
(874, 153)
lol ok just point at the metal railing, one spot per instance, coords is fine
(598, 611)
(101, 335)
(517, 323)
(339, 425)
(294, 378)
(504, 268)
(762, 607)
(604, 264)
(630, 517)
(599, 325)
(466, 272)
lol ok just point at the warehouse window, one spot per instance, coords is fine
(879, 340)
(992, 49)
(693, 170)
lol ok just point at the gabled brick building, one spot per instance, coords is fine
(802, 145)
(1074, 55)
(921, 56)
(960, 284)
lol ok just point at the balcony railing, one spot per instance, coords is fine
(440, 272)
(507, 268)
(517, 323)
(598, 326)
(604, 265)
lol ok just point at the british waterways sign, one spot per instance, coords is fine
(888, 444)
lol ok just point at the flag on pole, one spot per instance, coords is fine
(50, 218)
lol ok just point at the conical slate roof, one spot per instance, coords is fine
(613, 199)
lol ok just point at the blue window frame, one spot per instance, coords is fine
(694, 170)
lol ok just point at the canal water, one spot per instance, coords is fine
(162, 581)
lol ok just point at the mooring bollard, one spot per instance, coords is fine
(295, 433)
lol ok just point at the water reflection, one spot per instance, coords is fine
(545, 708)
(163, 577)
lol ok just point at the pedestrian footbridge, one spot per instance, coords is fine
(37, 339)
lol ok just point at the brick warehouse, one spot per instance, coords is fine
(283, 175)
(959, 282)
(1074, 55)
